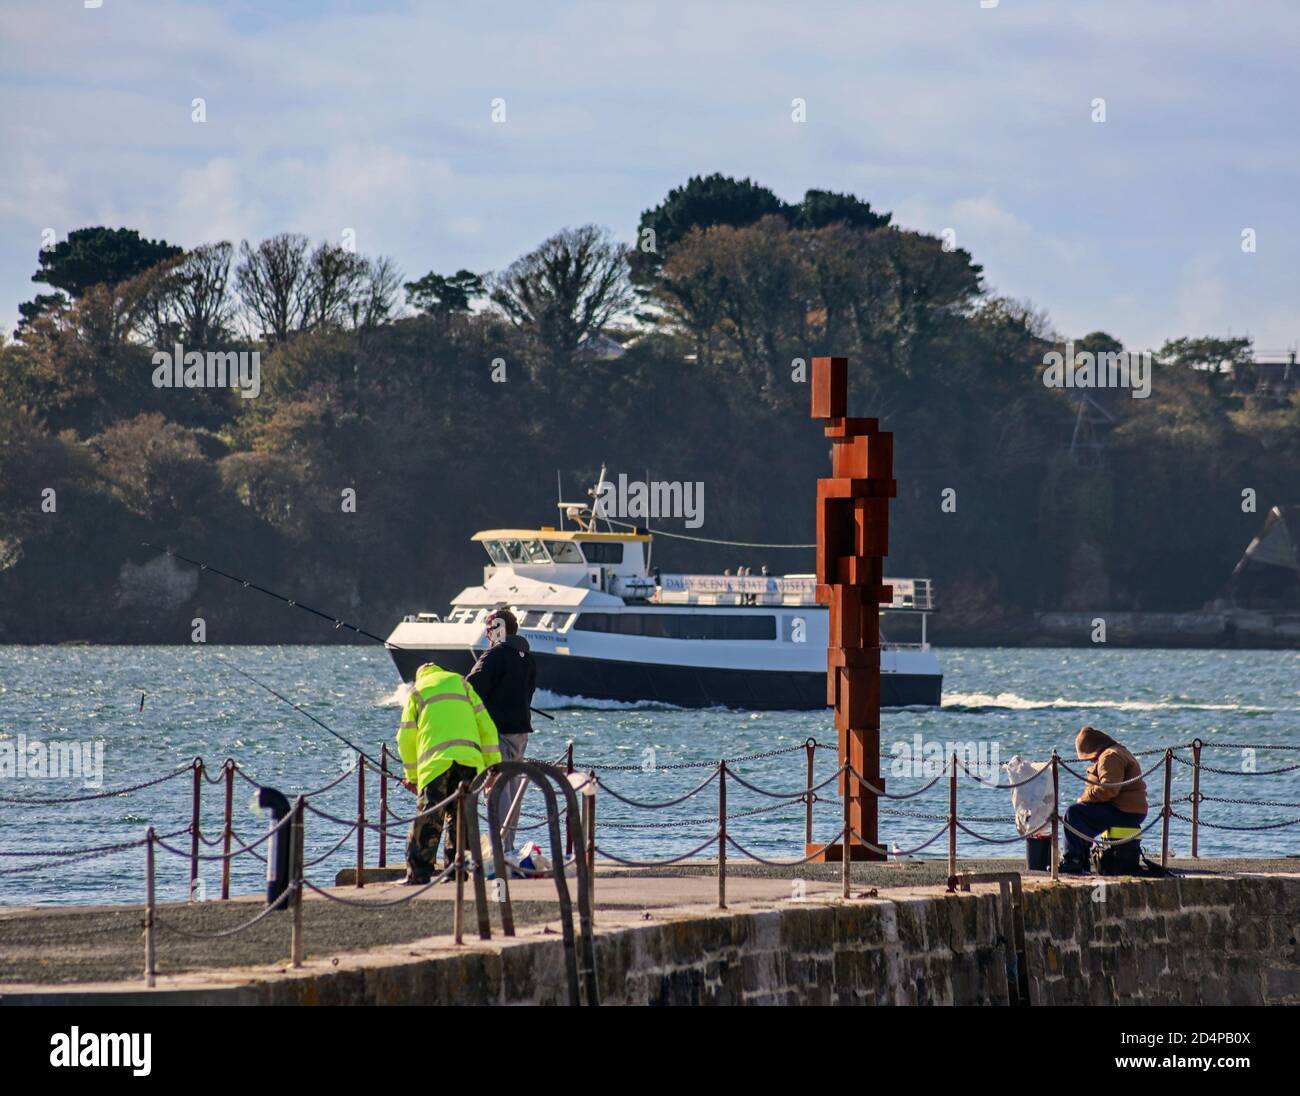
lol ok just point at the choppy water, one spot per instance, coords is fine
(1017, 701)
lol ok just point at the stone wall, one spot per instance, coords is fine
(1189, 940)
(1202, 940)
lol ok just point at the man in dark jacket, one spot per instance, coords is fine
(505, 677)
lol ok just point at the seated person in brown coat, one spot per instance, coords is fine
(1112, 796)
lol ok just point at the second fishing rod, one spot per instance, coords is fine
(338, 622)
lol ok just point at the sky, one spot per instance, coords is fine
(377, 117)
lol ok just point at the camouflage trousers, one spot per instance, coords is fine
(427, 831)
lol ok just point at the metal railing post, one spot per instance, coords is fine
(722, 835)
(458, 922)
(810, 748)
(952, 817)
(296, 875)
(361, 821)
(1164, 829)
(1056, 817)
(383, 805)
(227, 827)
(194, 827)
(150, 946)
(589, 831)
(568, 822)
(1196, 795)
(846, 845)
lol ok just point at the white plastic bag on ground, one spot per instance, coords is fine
(530, 858)
(1032, 802)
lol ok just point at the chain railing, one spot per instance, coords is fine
(579, 848)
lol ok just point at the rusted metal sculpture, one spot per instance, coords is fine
(852, 542)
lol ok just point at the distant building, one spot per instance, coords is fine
(1268, 574)
(1269, 374)
(600, 348)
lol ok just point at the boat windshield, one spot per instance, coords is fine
(495, 550)
(536, 553)
(564, 551)
(514, 551)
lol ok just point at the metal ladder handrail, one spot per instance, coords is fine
(541, 775)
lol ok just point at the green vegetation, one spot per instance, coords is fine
(452, 411)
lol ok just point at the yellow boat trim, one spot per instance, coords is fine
(554, 534)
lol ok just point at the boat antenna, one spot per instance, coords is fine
(336, 621)
(596, 511)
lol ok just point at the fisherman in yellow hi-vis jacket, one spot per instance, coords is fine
(445, 736)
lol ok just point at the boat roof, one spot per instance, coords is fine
(554, 534)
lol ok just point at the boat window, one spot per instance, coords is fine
(536, 553)
(603, 551)
(531, 618)
(514, 551)
(731, 626)
(495, 551)
(564, 551)
(560, 621)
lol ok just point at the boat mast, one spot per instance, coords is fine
(596, 512)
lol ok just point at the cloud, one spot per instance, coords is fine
(335, 114)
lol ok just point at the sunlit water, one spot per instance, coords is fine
(1017, 701)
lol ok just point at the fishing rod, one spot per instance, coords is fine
(319, 722)
(336, 621)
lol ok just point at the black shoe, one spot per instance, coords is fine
(410, 880)
(1071, 866)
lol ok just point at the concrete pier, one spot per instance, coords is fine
(1224, 932)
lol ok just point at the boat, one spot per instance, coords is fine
(606, 626)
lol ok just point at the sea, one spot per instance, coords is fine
(136, 718)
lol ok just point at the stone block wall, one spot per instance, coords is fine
(1188, 940)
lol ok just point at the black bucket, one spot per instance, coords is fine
(1038, 853)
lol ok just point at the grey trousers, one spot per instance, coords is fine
(512, 749)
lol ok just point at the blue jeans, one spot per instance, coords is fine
(1092, 818)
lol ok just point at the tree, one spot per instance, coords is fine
(80, 365)
(31, 460)
(566, 290)
(99, 256)
(852, 286)
(930, 287)
(435, 295)
(1211, 357)
(29, 311)
(378, 298)
(1098, 342)
(336, 283)
(705, 201)
(199, 301)
(691, 290)
(157, 469)
(274, 283)
(752, 284)
(820, 208)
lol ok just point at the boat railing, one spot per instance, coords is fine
(909, 594)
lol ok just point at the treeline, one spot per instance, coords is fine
(396, 417)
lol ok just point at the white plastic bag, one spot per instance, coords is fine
(532, 859)
(1032, 802)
